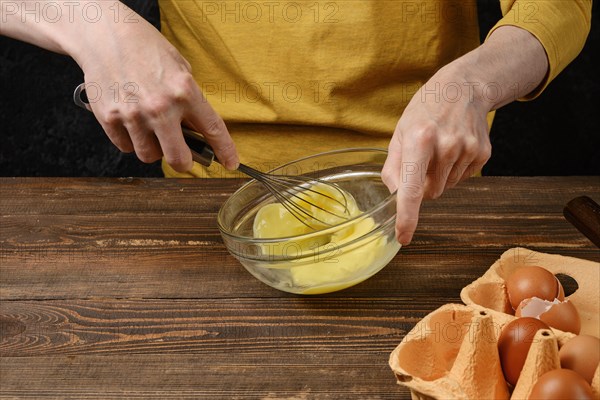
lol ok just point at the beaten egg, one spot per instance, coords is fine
(353, 252)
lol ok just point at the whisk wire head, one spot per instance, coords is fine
(294, 190)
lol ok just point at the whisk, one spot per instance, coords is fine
(299, 194)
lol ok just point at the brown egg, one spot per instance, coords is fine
(561, 384)
(557, 314)
(527, 282)
(513, 344)
(582, 355)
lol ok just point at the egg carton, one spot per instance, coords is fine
(452, 353)
(489, 290)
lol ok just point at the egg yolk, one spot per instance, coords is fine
(321, 263)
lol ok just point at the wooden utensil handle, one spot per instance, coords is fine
(584, 214)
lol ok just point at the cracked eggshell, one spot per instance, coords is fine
(560, 315)
(490, 290)
(532, 281)
(453, 351)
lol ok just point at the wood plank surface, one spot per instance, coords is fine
(207, 326)
(122, 288)
(278, 375)
(92, 238)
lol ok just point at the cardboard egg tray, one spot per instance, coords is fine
(452, 353)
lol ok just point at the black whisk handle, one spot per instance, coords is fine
(201, 151)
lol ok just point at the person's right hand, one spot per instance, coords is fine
(141, 90)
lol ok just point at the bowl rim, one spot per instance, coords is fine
(328, 230)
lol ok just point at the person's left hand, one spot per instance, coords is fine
(441, 139)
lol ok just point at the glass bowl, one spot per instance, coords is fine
(325, 260)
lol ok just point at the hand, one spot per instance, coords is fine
(442, 136)
(440, 140)
(141, 90)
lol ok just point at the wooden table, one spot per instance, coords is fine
(122, 288)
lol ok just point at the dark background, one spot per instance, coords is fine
(44, 134)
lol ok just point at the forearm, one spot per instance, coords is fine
(66, 27)
(509, 65)
(144, 90)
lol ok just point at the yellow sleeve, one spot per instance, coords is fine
(561, 26)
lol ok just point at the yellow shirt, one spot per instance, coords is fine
(295, 78)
